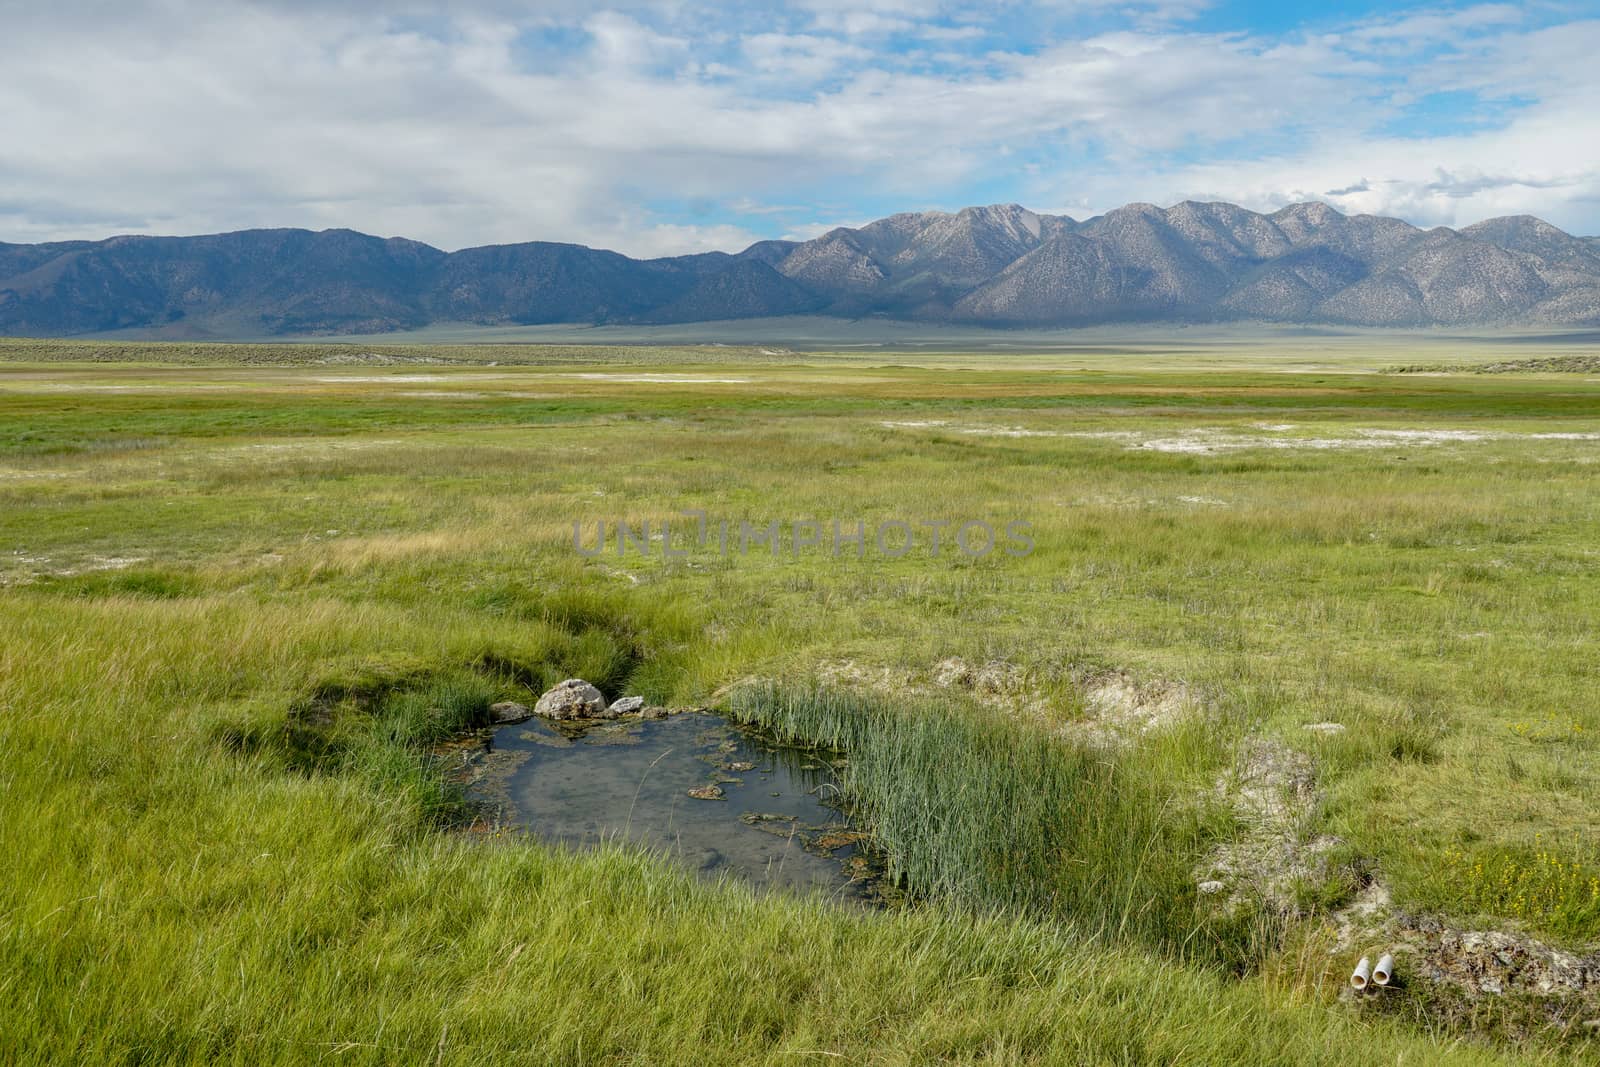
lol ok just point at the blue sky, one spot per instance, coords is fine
(659, 126)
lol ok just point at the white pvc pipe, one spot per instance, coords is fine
(1384, 970)
(1363, 973)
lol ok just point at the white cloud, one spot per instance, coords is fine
(671, 239)
(804, 57)
(951, 33)
(179, 116)
(622, 44)
(1410, 31)
(1541, 162)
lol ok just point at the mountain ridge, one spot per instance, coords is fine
(995, 265)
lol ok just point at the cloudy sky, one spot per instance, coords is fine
(664, 126)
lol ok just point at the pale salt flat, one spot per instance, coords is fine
(94, 563)
(1010, 431)
(1202, 441)
(278, 448)
(1564, 436)
(657, 379)
(95, 387)
(28, 476)
(1103, 500)
(404, 378)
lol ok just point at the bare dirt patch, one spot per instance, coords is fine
(1271, 790)
(1113, 707)
(1528, 983)
(1125, 705)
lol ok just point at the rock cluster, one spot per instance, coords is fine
(575, 699)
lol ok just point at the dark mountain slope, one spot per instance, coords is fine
(287, 281)
(746, 289)
(1001, 265)
(543, 282)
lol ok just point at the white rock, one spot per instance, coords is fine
(625, 706)
(572, 699)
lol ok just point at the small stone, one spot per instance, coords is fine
(509, 711)
(652, 711)
(625, 706)
(1210, 888)
(1324, 727)
(707, 792)
(572, 699)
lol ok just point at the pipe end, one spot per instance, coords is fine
(1384, 971)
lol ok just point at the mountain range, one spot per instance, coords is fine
(1001, 265)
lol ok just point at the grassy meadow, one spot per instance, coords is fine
(244, 590)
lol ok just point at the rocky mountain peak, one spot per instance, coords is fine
(996, 264)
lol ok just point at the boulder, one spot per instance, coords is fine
(572, 699)
(625, 706)
(509, 711)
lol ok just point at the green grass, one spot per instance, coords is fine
(233, 906)
(1538, 886)
(238, 603)
(348, 354)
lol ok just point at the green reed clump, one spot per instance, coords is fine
(994, 815)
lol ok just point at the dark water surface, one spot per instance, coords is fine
(777, 823)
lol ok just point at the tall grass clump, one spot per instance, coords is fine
(393, 751)
(383, 736)
(997, 816)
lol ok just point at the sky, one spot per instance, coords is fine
(658, 127)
